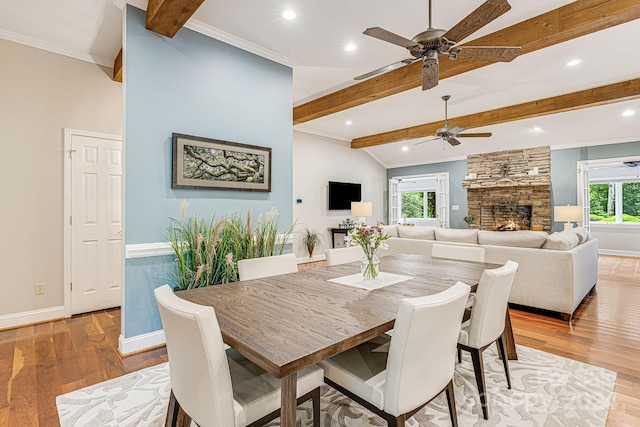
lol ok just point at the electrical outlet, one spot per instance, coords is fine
(455, 208)
(39, 288)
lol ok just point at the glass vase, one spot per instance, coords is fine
(370, 266)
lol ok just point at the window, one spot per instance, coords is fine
(615, 202)
(418, 204)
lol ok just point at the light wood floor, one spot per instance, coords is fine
(39, 362)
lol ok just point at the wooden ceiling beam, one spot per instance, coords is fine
(166, 17)
(602, 95)
(568, 22)
(117, 68)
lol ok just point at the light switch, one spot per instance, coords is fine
(455, 207)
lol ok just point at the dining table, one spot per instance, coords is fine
(288, 322)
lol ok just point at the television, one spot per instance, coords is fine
(341, 194)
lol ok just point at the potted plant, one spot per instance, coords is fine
(469, 219)
(310, 240)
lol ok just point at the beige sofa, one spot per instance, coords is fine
(555, 271)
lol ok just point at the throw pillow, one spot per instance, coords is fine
(583, 234)
(561, 241)
(458, 235)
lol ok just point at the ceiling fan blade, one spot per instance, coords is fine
(485, 13)
(475, 135)
(426, 140)
(453, 141)
(488, 53)
(429, 74)
(456, 130)
(388, 36)
(386, 68)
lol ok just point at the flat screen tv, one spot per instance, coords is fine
(341, 194)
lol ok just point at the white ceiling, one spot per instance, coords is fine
(314, 45)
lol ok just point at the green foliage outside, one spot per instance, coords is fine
(413, 205)
(603, 202)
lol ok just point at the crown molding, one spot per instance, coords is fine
(230, 39)
(54, 48)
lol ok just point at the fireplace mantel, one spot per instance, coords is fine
(484, 183)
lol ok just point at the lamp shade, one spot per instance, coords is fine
(361, 208)
(567, 213)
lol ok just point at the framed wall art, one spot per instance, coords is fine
(212, 164)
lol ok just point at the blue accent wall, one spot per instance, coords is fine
(457, 195)
(195, 85)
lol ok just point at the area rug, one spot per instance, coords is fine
(547, 391)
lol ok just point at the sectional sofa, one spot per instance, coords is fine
(555, 271)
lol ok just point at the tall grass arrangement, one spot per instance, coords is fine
(207, 252)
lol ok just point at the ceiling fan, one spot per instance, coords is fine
(451, 134)
(433, 42)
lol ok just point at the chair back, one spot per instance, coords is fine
(463, 253)
(255, 268)
(490, 307)
(198, 365)
(346, 255)
(423, 348)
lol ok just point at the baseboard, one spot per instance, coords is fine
(139, 343)
(28, 317)
(618, 253)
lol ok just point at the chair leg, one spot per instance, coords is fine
(451, 398)
(502, 348)
(478, 367)
(315, 399)
(172, 411)
(459, 355)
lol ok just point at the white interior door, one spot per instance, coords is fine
(584, 194)
(442, 200)
(95, 222)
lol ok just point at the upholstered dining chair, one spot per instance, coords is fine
(486, 324)
(462, 253)
(255, 268)
(339, 256)
(214, 387)
(397, 376)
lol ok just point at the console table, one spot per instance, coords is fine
(338, 231)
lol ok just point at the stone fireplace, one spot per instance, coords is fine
(510, 190)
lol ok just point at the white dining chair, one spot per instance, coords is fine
(346, 255)
(462, 253)
(486, 324)
(214, 387)
(255, 268)
(396, 376)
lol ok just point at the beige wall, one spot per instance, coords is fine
(318, 160)
(42, 93)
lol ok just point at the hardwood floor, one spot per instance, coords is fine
(39, 362)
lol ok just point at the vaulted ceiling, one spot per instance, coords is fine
(571, 106)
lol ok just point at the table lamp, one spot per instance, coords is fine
(361, 210)
(568, 214)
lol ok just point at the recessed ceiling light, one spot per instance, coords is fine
(405, 148)
(536, 129)
(574, 62)
(289, 14)
(628, 113)
(350, 47)
(348, 123)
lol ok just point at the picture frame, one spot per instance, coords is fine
(213, 164)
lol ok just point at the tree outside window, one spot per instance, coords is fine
(414, 206)
(615, 202)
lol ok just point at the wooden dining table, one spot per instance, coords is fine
(288, 322)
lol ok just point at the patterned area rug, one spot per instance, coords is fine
(547, 391)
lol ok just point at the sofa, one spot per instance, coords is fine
(556, 271)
